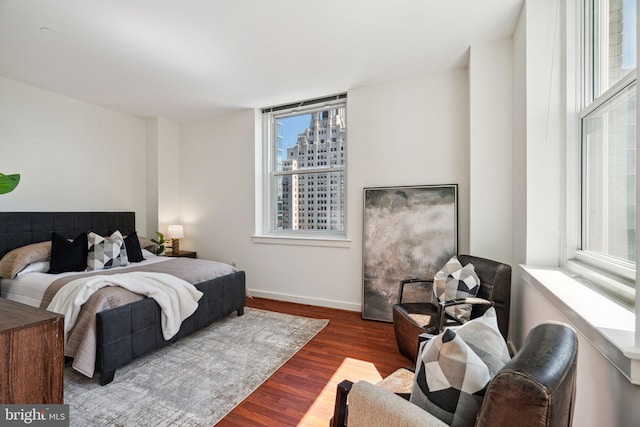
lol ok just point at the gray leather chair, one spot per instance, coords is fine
(536, 388)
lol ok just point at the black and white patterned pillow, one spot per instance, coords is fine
(483, 336)
(455, 281)
(106, 252)
(454, 368)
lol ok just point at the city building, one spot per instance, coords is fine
(314, 199)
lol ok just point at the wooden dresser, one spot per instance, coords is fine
(31, 355)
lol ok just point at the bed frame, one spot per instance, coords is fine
(127, 332)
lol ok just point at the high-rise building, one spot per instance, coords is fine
(314, 199)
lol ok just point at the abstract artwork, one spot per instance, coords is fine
(409, 232)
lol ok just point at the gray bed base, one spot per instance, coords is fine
(133, 330)
(127, 332)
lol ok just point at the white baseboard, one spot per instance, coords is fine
(305, 300)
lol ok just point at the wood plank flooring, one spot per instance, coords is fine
(302, 392)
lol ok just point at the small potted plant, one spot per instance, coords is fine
(159, 243)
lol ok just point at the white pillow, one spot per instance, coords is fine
(148, 254)
(35, 267)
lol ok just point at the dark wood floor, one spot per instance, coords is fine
(302, 392)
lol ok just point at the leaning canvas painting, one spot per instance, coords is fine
(409, 232)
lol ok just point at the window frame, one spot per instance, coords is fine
(266, 230)
(609, 275)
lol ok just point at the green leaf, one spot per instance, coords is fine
(8, 183)
(159, 243)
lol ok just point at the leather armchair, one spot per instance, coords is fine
(536, 388)
(410, 319)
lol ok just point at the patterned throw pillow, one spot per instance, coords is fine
(455, 281)
(106, 252)
(483, 336)
(454, 368)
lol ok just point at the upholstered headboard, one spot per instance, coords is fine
(22, 228)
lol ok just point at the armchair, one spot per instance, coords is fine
(536, 388)
(410, 319)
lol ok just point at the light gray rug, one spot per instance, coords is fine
(197, 380)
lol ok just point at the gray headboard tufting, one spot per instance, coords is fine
(22, 228)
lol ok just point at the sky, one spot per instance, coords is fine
(291, 127)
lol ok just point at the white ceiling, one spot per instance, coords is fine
(188, 59)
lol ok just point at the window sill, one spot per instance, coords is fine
(610, 327)
(303, 241)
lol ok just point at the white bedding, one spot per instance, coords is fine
(178, 299)
(29, 288)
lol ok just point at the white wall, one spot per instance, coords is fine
(544, 146)
(519, 175)
(410, 132)
(163, 151)
(216, 188)
(491, 141)
(403, 133)
(537, 146)
(71, 155)
(152, 176)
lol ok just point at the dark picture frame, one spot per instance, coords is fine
(408, 232)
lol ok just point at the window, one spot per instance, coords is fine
(607, 133)
(291, 146)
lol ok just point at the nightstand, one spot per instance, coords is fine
(182, 254)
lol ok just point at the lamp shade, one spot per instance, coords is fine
(175, 232)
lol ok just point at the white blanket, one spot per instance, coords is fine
(177, 298)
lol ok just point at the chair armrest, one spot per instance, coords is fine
(458, 301)
(415, 280)
(340, 409)
(370, 405)
(468, 300)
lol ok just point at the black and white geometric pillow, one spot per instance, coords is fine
(450, 380)
(106, 252)
(455, 281)
(483, 336)
(452, 373)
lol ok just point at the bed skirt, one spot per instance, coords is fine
(133, 330)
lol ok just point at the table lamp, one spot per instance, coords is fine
(175, 233)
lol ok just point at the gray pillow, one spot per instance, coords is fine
(106, 252)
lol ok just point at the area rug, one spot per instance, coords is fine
(195, 381)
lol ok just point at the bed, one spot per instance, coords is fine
(126, 325)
